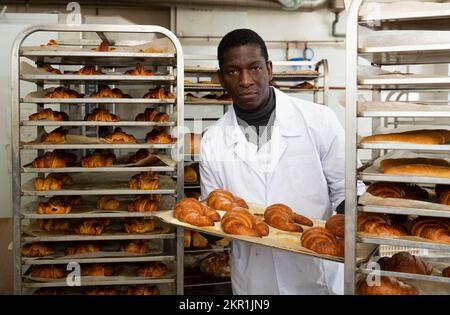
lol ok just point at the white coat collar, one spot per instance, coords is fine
(287, 118)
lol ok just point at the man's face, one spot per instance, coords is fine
(245, 76)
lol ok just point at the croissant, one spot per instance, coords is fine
(336, 225)
(103, 47)
(49, 114)
(49, 291)
(49, 68)
(97, 270)
(144, 204)
(71, 200)
(51, 42)
(82, 248)
(153, 270)
(193, 212)
(61, 92)
(48, 271)
(107, 92)
(41, 184)
(190, 175)
(90, 227)
(56, 136)
(98, 159)
(224, 200)
(139, 70)
(387, 286)
(64, 178)
(100, 114)
(216, 265)
(49, 160)
(139, 155)
(398, 190)
(88, 70)
(434, 229)
(151, 114)
(446, 272)
(69, 158)
(144, 180)
(405, 262)
(37, 250)
(283, 218)
(107, 203)
(239, 221)
(101, 291)
(444, 198)
(55, 225)
(135, 246)
(378, 224)
(119, 136)
(143, 290)
(160, 93)
(198, 240)
(139, 225)
(159, 137)
(322, 241)
(55, 207)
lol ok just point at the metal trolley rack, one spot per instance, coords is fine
(168, 243)
(389, 55)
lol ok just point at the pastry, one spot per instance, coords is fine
(193, 212)
(216, 265)
(220, 199)
(49, 114)
(98, 159)
(107, 203)
(378, 224)
(322, 241)
(283, 218)
(434, 229)
(50, 69)
(107, 92)
(192, 143)
(88, 70)
(49, 183)
(151, 114)
(139, 225)
(61, 92)
(153, 270)
(103, 47)
(82, 248)
(56, 136)
(101, 291)
(143, 289)
(198, 240)
(190, 175)
(100, 114)
(68, 157)
(63, 177)
(55, 225)
(159, 93)
(55, 207)
(119, 136)
(446, 272)
(336, 225)
(49, 160)
(144, 180)
(135, 246)
(417, 136)
(157, 136)
(90, 227)
(51, 42)
(72, 200)
(144, 204)
(405, 262)
(398, 190)
(37, 250)
(96, 270)
(239, 221)
(48, 271)
(416, 166)
(139, 70)
(387, 286)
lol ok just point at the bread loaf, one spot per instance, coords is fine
(416, 166)
(417, 136)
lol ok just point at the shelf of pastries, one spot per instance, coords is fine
(106, 289)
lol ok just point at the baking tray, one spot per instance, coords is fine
(409, 241)
(103, 100)
(392, 145)
(289, 241)
(116, 78)
(401, 109)
(405, 81)
(95, 123)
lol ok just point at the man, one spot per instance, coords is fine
(272, 148)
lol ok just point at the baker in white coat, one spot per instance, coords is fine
(272, 148)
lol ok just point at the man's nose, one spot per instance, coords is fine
(245, 79)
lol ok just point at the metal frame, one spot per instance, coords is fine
(398, 55)
(110, 58)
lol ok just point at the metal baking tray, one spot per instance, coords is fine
(377, 177)
(95, 123)
(79, 169)
(409, 241)
(204, 101)
(405, 275)
(48, 237)
(96, 100)
(403, 210)
(132, 259)
(402, 109)
(400, 81)
(194, 250)
(49, 146)
(110, 58)
(117, 78)
(403, 146)
(201, 87)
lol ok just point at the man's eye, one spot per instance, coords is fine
(232, 72)
(256, 68)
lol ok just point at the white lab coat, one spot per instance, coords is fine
(302, 166)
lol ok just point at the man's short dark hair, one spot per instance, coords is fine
(240, 37)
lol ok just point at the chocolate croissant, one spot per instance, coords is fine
(157, 136)
(151, 114)
(136, 247)
(159, 93)
(98, 159)
(49, 114)
(152, 270)
(139, 225)
(239, 221)
(283, 218)
(55, 207)
(100, 114)
(191, 211)
(90, 227)
(37, 250)
(119, 136)
(56, 136)
(144, 204)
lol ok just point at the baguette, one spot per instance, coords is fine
(438, 136)
(419, 170)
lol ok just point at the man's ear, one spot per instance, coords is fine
(269, 69)
(219, 74)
